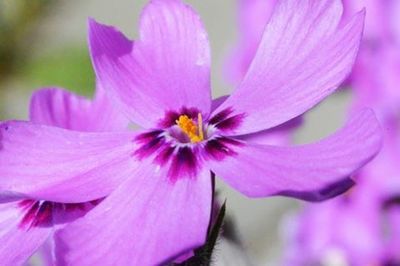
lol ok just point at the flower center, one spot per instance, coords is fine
(190, 128)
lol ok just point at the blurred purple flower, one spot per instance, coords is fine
(375, 81)
(349, 230)
(160, 176)
(343, 231)
(381, 22)
(376, 75)
(28, 223)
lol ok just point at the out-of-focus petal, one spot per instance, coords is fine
(17, 243)
(335, 230)
(377, 20)
(302, 58)
(147, 221)
(375, 80)
(310, 172)
(167, 69)
(394, 19)
(253, 15)
(60, 108)
(49, 163)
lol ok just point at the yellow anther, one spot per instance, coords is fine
(189, 127)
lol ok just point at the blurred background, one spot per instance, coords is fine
(43, 44)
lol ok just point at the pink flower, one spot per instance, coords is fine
(160, 203)
(28, 223)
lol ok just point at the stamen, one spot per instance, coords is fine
(200, 123)
(189, 127)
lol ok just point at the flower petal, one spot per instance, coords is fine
(310, 172)
(167, 69)
(253, 15)
(279, 135)
(375, 80)
(60, 108)
(49, 163)
(147, 221)
(18, 244)
(351, 231)
(302, 58)
(218, 101)
(377, 23)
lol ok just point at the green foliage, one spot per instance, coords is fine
(69, 68)
(18, 20)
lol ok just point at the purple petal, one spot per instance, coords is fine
(181, 160)
(217, 102)
(49, 163)
(18, 244)
(311, 172)
(280, 135)
(394, 11)
(60, 108)
(253, 16)
(337, 225)
(167, 69)
(375, 80)
(378, 18)
(147, 221)
(303, 57)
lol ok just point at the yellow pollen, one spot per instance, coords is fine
(189, 127)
